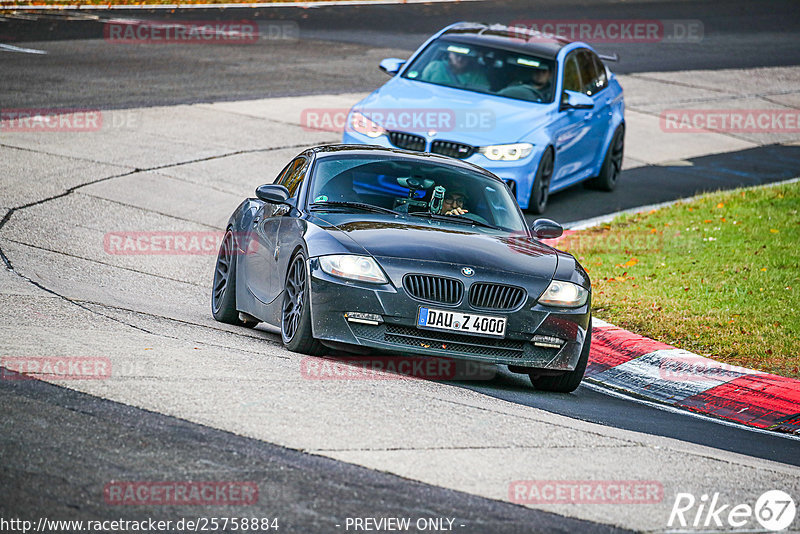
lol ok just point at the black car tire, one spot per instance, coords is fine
(223, 293)
(540, 191)
(296, 330)
(569, 381)
(612, 163)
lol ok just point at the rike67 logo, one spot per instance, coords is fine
(774, 510)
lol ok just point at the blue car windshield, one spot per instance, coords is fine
(485, 70)
(413, 188)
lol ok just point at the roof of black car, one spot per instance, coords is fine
(515, 39)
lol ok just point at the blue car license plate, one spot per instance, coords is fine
(466, 323)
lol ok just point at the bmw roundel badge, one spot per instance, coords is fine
(467, 271)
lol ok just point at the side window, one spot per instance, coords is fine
(602, 80)
(588, 72)
(572, 80)
(292, 176)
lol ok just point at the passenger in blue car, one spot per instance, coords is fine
(458, 70)
(535, 87)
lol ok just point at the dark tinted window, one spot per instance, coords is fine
(572, 80)
(292, 176)
(602, 80)
(588, 72)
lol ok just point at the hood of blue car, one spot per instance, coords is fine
(454, 114)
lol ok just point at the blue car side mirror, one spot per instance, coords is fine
(392, 65)
(546, 229)
(575, 100)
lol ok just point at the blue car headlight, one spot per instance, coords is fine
(364, 125)
(510, 152)
(361, 268)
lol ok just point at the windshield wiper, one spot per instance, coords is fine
(344, 204)
(454, 218)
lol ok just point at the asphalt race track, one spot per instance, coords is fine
(212, 402)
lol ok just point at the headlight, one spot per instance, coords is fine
(361, 268)
(363, 125)
(511, 152)
(564, 294)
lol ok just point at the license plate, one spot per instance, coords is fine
(466, 323)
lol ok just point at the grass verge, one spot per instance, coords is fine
(718, 276)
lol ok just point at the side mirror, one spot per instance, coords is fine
(546, 229)
(273, 193)
(575, 100)
(392, 65)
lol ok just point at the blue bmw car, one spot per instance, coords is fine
(539, 111)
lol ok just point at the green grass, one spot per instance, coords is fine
(718, 276)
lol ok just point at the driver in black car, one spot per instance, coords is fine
(536, 88)
(453, 203)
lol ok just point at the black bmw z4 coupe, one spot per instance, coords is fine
(359, 248)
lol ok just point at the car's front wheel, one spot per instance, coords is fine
(296, 311)
(569, 381)
(612, 164)
(540, 191)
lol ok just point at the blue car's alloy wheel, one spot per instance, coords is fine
(612, 164)
(540, 191)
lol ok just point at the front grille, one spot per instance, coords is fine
(408, 339)
(434, 288)
(412, 337)
(495, 296)
(452, 149)
(407, 141)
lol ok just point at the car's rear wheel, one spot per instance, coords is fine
(569, 381)
(296, 310)
(612, 164)
(223, 292)
(540, 191)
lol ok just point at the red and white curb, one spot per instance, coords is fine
(641, 367)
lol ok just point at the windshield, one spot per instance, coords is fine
(484, 70)
(412, 188)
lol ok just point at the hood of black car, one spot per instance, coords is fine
(461, 245)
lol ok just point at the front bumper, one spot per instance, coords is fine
(518, 174)
(332, 297)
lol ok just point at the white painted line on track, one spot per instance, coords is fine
(617, 394)
(12, 48)
(260, 5)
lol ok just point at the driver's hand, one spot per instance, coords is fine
(457, 211)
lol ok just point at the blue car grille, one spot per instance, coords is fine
(495, 296)
(452, 149)
(434, 288)
(407, 141)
